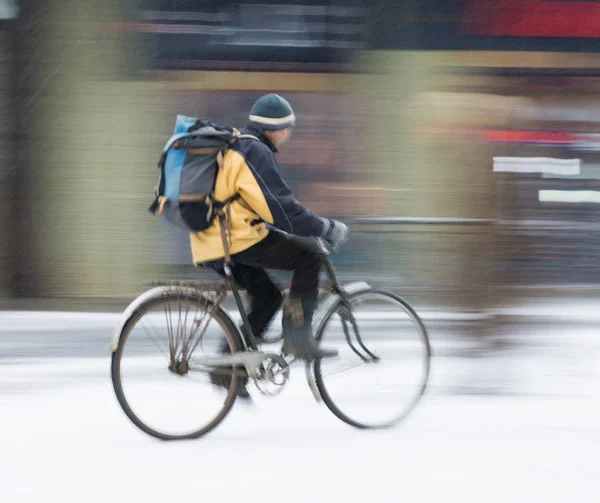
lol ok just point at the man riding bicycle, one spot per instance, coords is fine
(260, 221)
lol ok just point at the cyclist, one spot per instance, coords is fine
(260, 223)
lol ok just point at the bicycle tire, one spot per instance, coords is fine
(317, 364)
(233, 338)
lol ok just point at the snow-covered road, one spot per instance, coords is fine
(521, 425)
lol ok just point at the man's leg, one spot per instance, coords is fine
(277, 251)
(265, 300)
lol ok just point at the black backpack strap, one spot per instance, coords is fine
(221, 204)
(230, 200)
(159, 190)
(223, 213)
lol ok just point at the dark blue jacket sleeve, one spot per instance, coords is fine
(289, 215)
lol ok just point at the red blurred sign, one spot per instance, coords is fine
(536, 18)
(548, 137)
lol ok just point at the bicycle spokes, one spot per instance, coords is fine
(183, 341)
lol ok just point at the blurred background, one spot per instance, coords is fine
(403, 106)
(459, 139)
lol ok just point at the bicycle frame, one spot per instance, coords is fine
(250, 338)
(268, 370)
(336, 288)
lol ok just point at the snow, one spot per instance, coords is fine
(517, 425)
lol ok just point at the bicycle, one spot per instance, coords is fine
(201, 303)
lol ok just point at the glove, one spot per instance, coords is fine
(335, 233)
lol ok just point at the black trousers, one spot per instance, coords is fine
(276, 251)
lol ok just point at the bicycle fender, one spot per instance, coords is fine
(331, 299)
(137, 303)
(327, 303)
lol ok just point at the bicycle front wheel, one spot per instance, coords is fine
(383, 391)
(151, 375)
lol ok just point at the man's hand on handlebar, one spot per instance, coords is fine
(335, 233)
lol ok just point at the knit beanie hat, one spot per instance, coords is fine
(272, 112)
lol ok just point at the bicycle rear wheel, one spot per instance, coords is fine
(381, 393)
(153, 383)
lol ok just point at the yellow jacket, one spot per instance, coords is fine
(250, 170)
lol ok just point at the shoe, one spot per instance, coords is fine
(305, 347)
(297, 330)
(224, 380)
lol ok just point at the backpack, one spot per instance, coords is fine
(184, 196)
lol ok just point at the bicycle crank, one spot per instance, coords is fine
(272, 376)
